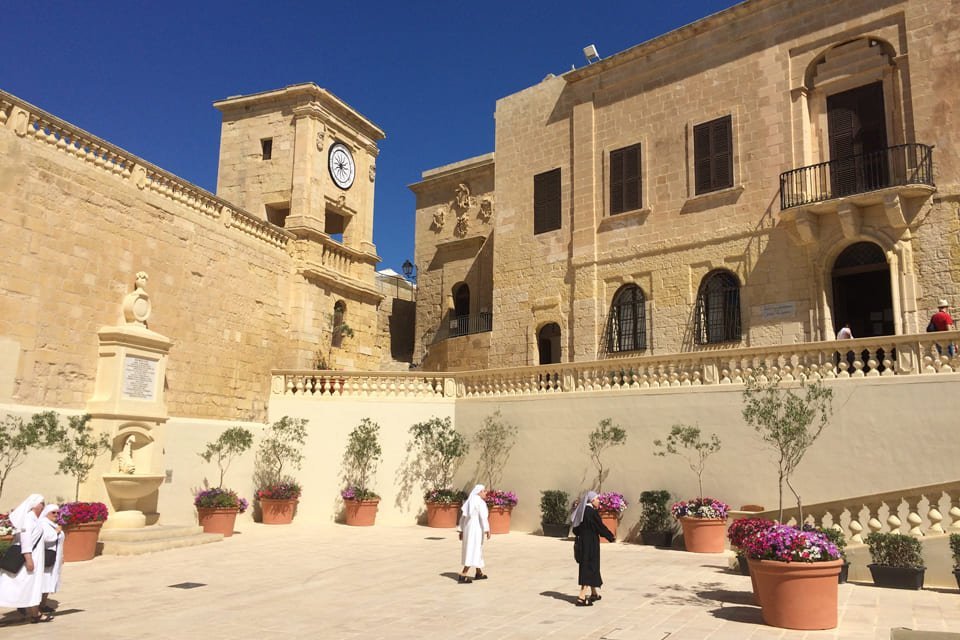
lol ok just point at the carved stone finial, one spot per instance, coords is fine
(136, 305)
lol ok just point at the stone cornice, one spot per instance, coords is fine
(454, 169)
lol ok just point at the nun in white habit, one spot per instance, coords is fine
(52, 541)
(474, 526)
(24, 589)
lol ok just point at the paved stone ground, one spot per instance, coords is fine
(334, 581)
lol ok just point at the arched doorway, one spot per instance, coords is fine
(461, 300)
(548, 343)
(861, 291)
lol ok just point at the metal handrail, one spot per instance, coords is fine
(894, 166)
(467, 325)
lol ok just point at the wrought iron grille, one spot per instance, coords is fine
(717, 315)
(466, 325)
(627, 322)
(891, 167)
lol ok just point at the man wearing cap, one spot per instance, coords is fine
(941, 320)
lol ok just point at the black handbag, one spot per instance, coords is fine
(13, 560)
(49, 557)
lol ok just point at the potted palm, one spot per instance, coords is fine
(280, 450)
(360, 464)
(612, 504)
(897, 560)
(493, 442)
(554, 513)
(217, 508)
(656, 527)
(438, 449)
(703, 519)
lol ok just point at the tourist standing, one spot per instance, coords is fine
(24, 589)
(588, 527)
(942, 321)
(53, 553)
(845, 333)
(474, 527)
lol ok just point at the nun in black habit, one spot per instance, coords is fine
(588, 527)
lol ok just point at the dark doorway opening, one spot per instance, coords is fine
(856, 121)
(861, 291)
(548, 343)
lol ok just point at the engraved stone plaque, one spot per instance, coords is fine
(778, 310)
(139, 378)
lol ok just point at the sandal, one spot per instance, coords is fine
(46, 609)
(595, 597)
(464, 579)
(584, 602)
(480, 576)
(43, 617)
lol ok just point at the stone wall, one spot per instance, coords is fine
(77, 228)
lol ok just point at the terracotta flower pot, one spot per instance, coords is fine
(277, 511)
(753, 581)
(610, 519)
(217, 520)
(361, 513)
(443, 515)
(798, 595)
(500, 519)
(80, 541)
(704, 535)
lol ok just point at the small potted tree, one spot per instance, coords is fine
(360, 464)
(18, 438)
(955, 551)
(438, 450)
(493, 442)
(612, 504)
(702, 519)
(656, 526)
(279, 451)
(217, 508)
(897, 560)
(554, 512)
(81, 521)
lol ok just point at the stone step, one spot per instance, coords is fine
(131, 542)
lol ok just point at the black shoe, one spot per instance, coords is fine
(480, 576)
(464, 579)
(595, 597)
(584, 602)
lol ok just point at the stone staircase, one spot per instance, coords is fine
(131, 542)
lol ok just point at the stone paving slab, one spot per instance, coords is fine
(334, 581)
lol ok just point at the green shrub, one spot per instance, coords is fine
(554, 505)
(955, 549)
(656, 514)
(895, 550)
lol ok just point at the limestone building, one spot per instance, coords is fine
(277, 270)
(761, 176)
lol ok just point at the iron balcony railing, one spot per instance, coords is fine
(900, 165)
(466, 325)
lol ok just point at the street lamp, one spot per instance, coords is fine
(407, 268)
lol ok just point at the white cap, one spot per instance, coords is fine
(942, 303)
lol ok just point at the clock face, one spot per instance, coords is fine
(342, 168)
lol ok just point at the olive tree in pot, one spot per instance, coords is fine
(280, 451)
(554, 512)
(437, 450)
(897, 560)
(360, 461)
(217, 507)
(656, 525)
(18, 438)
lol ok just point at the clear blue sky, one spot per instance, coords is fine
(143, 75)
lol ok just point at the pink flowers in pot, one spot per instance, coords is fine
(700, 508)
(746, 529)
(81, 512)
(497, 498)
(612, 501)
(788, 544)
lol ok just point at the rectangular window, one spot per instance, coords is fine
(625, 192)
(713, 155)
(266, 148)
(546, 201)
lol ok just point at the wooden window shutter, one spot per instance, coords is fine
(625, 182)
(713, 155)
(546, 201)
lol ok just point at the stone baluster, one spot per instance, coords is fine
(954, 514)
(856, 531)
(893, 521)
(935, 518)
(873, 523)
(288, 385)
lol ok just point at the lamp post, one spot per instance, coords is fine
(409, 271)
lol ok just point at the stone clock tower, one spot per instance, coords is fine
(304, 160)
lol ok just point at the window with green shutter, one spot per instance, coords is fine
(625, 183)
(713, 155)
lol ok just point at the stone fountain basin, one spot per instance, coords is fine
(127, 486)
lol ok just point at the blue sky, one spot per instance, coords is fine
(143, 75)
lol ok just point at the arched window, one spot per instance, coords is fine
(717, 314)
(461, 300)
(627, 323)
(548, 343)
(339, 315)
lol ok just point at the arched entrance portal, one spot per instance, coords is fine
(548, 343)
(861, 291)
